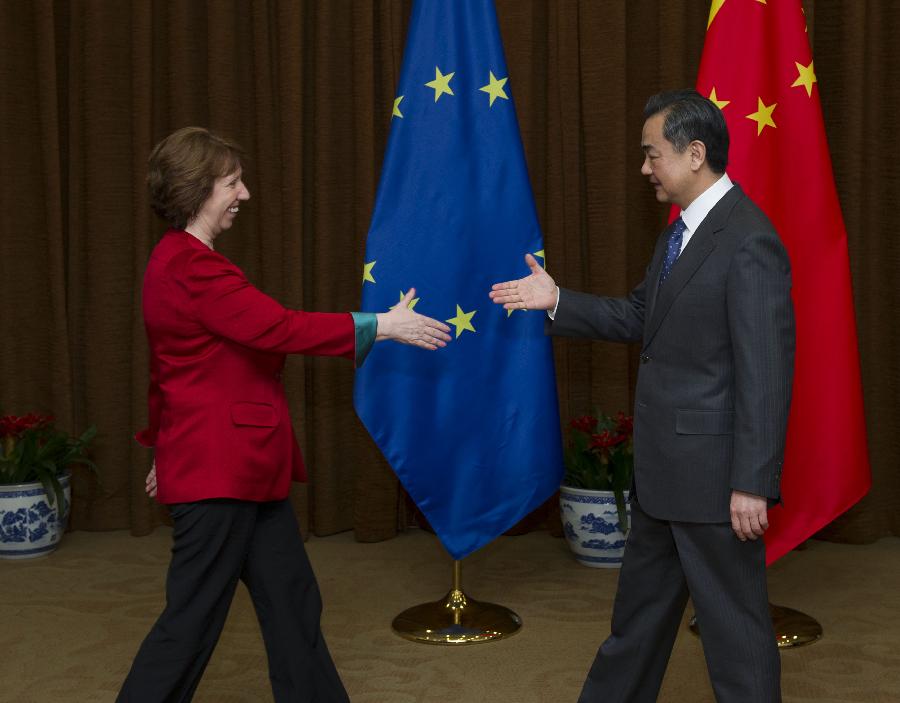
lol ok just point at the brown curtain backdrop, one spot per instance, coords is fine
(88, 86)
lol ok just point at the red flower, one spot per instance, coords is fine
(8, 425)
(584, 424)
(624, 423)
(12, 426)
(606, 439)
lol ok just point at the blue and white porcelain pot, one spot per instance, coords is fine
(591, 524)
(29, 525)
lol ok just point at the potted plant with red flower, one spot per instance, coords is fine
(599, 460)
(34, 482)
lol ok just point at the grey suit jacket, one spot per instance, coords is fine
(714, 383)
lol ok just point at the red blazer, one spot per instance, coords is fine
(218, 414)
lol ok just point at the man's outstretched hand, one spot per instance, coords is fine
(536, 291)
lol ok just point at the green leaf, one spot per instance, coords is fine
(28, 445)
(88, 435)
(44, 452)
(580, 442)
(49, 488)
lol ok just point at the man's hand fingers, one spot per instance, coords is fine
(748, 525)
(504, 286)
(756, 527)
(505, 295)
(749, 515)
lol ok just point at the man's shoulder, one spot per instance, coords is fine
(742, 217)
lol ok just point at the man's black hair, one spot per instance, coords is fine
(690, 116)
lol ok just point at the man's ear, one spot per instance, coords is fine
(698, 154)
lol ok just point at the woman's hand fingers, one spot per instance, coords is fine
(437, 329)
(409, 327)
(431, 333)
(150, 482)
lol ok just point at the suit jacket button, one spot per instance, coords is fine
(645, 358)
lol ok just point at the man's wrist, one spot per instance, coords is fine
(552, 313)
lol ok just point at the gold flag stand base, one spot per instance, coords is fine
(456, 619)
(792, 628)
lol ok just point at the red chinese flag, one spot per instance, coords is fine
(758, 68)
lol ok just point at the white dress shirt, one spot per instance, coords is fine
(697, 211)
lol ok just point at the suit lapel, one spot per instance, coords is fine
(653, 275)
(698, 248)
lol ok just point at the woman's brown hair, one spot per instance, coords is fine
(183, 169)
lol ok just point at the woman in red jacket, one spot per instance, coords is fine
(225, 451)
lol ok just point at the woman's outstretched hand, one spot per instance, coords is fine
(403, 325)
(536, 291)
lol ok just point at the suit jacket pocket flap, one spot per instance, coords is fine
(704, 421)
(254, 414)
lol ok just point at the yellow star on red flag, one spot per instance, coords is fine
(763, 116)
(719, 103)
(806, 77)
(714, 8)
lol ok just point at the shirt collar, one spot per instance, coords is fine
(697, 211)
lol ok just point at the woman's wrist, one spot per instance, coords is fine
(382, 328)
(365, 325)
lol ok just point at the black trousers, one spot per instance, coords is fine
(217, 542)
(726, 579)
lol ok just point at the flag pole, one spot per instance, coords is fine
(792, 628)
(456, 619)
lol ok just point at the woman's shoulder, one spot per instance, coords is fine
(180, 251)
(202, 267)
(173, 243)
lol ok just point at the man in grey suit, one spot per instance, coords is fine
(715, 320)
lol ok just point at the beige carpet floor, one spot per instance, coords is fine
(70, 623)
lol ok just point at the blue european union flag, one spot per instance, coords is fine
(472, 430)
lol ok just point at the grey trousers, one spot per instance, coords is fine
(665, 562)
